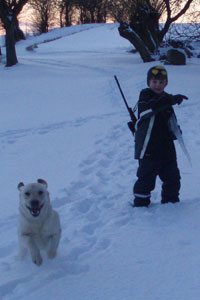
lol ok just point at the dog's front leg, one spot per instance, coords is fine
(34, 251)
(53, 243)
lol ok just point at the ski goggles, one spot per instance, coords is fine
(159, 70)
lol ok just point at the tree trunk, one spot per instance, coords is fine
(145, 23)
(18, 33)
(143, 30)
(8, 16)
(126, 32)
(67, 17)
(11, 57)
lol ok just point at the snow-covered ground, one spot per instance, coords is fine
(62, 119)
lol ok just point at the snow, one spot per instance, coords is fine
(63, 119)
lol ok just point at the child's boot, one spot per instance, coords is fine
(141, 202)
(172, 200)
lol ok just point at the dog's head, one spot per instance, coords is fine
(34, 196)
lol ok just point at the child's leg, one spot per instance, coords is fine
(170, 176)
(147, 172)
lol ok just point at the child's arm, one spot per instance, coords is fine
(149, 100)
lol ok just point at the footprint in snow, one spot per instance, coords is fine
(84, 206)
(90, 228)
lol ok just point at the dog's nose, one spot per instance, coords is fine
(34, 203)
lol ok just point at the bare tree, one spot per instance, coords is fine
(67, 12)
(44, 14)
(179, 7)
(121, 10)
(9, 11)
(190, 27)
(91, 11)
(142, 28)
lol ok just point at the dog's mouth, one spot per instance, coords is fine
(35, 211)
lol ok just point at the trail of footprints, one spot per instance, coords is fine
(95, 197)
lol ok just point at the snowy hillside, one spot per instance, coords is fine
(62, 119)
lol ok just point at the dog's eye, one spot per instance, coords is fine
(40, 193)
(27, 193)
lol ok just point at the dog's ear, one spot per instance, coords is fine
(20, 185)
(42, 181)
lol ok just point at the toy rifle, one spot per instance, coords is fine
(131, 124)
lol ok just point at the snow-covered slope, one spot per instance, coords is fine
(62, 119)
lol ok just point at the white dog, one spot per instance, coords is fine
(39, 225)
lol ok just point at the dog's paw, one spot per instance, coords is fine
(51, 254)
(37, 260)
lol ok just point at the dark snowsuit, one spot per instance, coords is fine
(154, 148)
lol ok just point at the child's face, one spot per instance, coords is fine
(157, 85)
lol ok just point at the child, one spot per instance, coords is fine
(154, 140)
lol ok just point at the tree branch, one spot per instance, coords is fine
(126, 32)
(18, 7)
(183, 11)
(170, 20)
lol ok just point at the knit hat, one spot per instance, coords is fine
(157, 72)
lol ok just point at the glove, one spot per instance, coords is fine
(177, 99)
